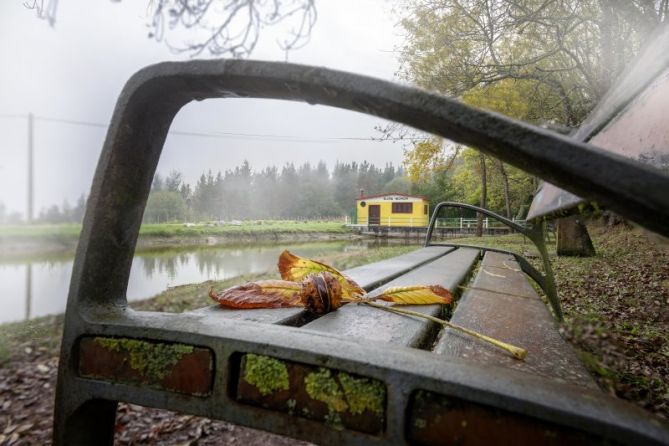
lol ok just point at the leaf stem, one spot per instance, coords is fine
(517, 352)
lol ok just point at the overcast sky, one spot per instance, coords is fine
(76, 70)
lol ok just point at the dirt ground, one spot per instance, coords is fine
(26, 406)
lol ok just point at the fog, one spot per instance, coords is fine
(69, 77)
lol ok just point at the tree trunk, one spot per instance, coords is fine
(484, 195)
(573, 239)
(505, 183)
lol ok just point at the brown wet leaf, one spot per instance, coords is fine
(260, 294)
(321, 293)
(24, 427)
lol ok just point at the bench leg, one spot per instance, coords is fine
(90, 424)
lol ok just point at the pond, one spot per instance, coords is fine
(39, 286)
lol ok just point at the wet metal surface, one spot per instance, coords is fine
(372, 324)
(502, 304)
(535, 232)
(439, 419)
(173, 367)
(367, 276)
(631, 121)
(338, 399)
(639, 132)
(400, 369)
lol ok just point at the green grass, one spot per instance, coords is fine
(251, 228)
(19, 338)
(60, 231)
(511, 242)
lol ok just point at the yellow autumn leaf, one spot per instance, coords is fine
(417, 295)
(296, 268)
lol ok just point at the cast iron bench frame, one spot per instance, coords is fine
(97, 305)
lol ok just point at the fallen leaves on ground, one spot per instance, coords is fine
(617, 315)
(27, 391)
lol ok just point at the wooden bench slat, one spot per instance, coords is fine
(373, 275)
(367, 276)
(511, 310)
(372, 324)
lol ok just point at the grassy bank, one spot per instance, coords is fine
(67, 232)
(27, 239)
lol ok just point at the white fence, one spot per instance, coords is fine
(470, 223)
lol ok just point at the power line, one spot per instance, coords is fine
(229, 135)
(72, 122)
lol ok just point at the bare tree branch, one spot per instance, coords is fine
(233, 29)
(223, 27)
(44, 12)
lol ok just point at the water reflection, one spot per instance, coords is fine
(44, 282)
(29, 289)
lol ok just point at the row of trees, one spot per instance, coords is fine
(9, 217)
(65, 213)
(314, 191)
(291, 192)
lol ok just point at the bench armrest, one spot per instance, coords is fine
(534, 232)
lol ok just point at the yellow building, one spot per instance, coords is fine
(399, 210)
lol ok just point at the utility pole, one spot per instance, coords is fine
(29, 213)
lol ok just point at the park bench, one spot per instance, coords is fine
(358, 375)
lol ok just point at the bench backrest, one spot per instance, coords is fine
(97, 318)
(630, 121)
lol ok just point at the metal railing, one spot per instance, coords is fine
(395, 220)
(471, 223)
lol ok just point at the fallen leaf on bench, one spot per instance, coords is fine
(261, 294)
(320, 289)
(296, 268)
(417, 295)
(318, 293)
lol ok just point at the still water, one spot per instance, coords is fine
(39, 286)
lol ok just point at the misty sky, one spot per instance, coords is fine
(76, 70)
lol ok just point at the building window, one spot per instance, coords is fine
(402, 208)
(425, 209)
